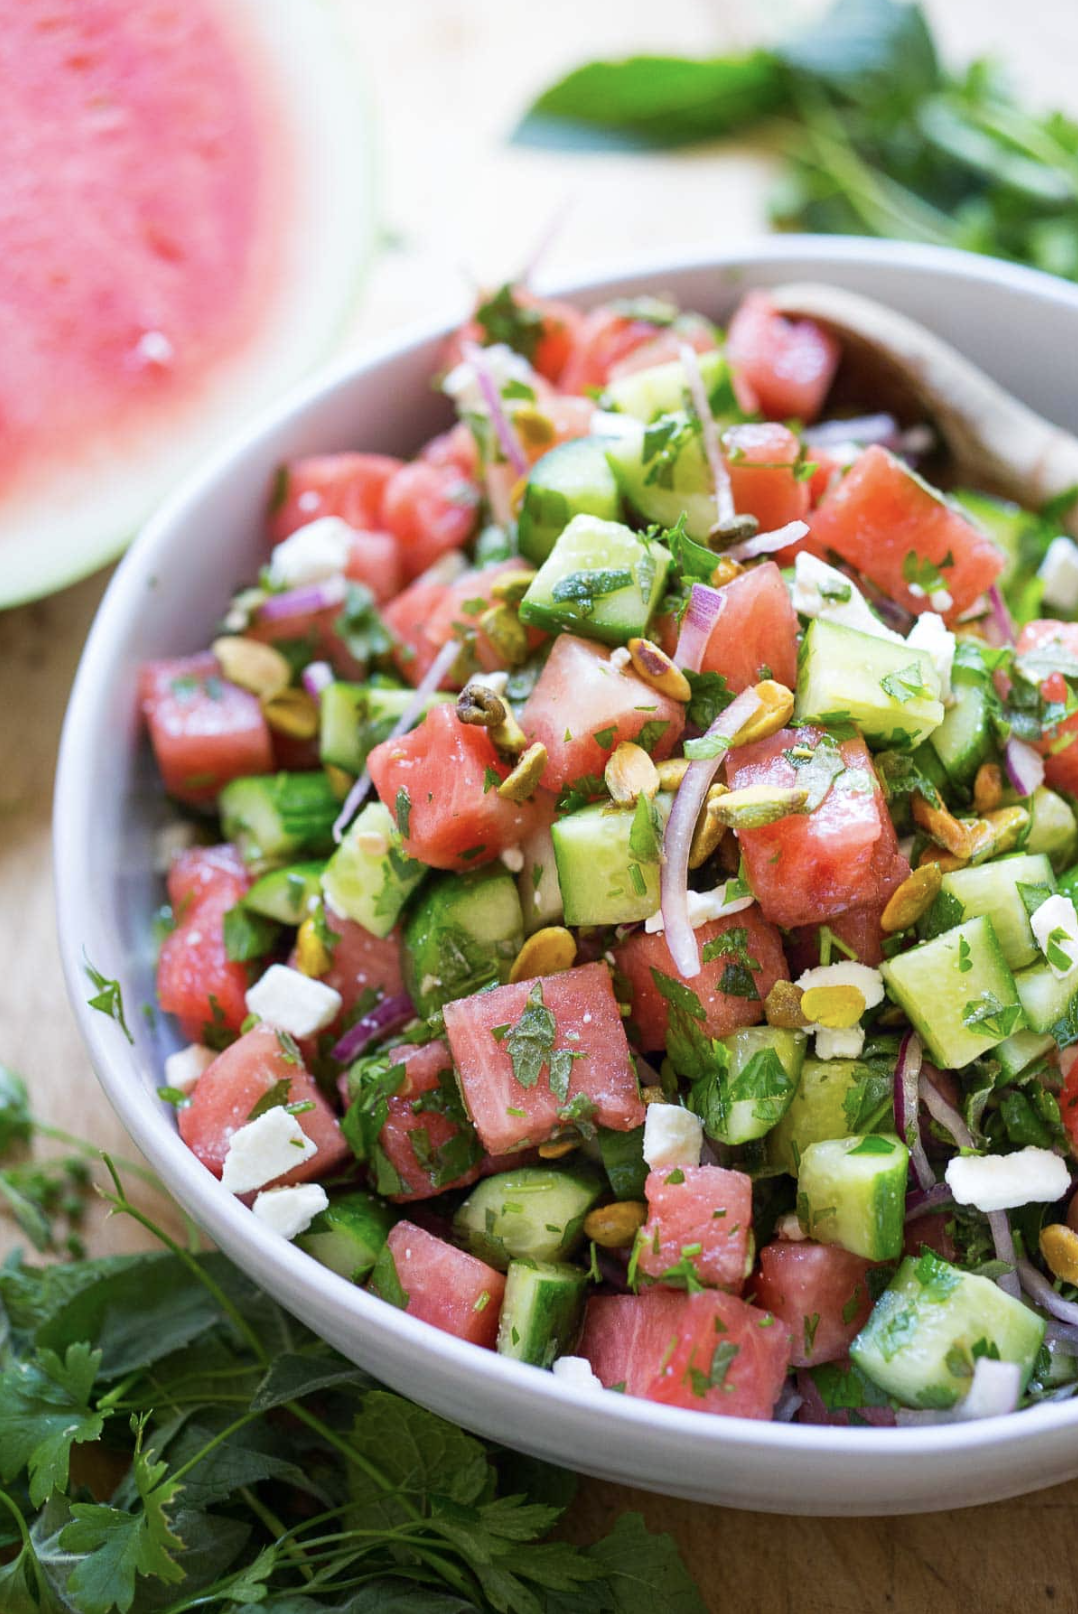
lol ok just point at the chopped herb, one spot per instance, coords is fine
(502, 318)
(108, 997)
(403, 811)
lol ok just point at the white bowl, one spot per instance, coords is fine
(164, 600)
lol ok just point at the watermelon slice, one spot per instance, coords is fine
(184, 240)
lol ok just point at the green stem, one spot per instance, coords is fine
(361, 1462)
(277, 1531)
(211, 1445)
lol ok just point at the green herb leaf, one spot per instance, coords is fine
(108, 998)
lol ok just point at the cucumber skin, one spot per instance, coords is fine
(548, 507)
(543, 1307)
(865, 1204)
(551, 1225)
(348, 1236)
(449, 909)
(928, 1309)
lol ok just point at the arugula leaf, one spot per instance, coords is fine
(44, 1411)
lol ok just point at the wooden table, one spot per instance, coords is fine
(449, 78)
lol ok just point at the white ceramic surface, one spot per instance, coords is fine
(165, 598)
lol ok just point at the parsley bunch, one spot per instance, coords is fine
(171, 1439)
(877, 135)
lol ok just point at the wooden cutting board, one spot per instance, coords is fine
(448, 78)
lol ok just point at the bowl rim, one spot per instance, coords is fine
(118, 1066)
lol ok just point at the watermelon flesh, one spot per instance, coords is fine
(419, 1140)
(661, 1344)
(196, 981)
(1060, 748)
(699, 1216)
(810, 866)
(785, 365)
(820, 1292)
(446, 1287)
(156, 277)
(582, 708)
(754, 634)
(640, 956)
(361, 962)
(204, 730)
(602, 1081)
(228, 1090)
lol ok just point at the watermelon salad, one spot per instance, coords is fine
(621, 907)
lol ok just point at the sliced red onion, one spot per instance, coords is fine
(766, 543)
(944, 1113)
(315, 677)
(690, 798)
(1062, 1335)
(788, 1403)
(503, 426)
(431, 680)
(700, 616)
(1025, 767)
(301, 601)
(813, 1409)
(907, 1106)
(863, 429)
(392, 1014)
(1003, 1240)
(999, 624)
(1039, 1289)
(720, 476)
(923, 1201)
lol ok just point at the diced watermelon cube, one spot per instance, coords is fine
(752, 938)
(430, 509)
(698, 1217)
(762, 459)
(456, 447)
(374, 559)
(609, 343)
(661, 1345)
(789, 364)
(1059, 747)
(808, 867)
(361, 962)
(820, 1291)
(421, 1141)
(204, 730)
(196, 980)
(602, 1086)
(407, 617)
(446, 1287)
(350, 486)
(440, 782)
(888, 523)
(582, 708)
(230, 1088)
(858, 929)
(754, 635)
(456, 615)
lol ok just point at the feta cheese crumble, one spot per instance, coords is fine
(994, 1182)
(848, 1042)
(513, 859)
(931, 634)
(994, 1389)
(1055, 927)
(1058, 571)
(290, 1211)
(845, 1043)
(263, 1149)
(705, 905)
(183, 1069)
(672, 1137)
(312, 553)
(576, 1371)
(503, 366)
(824, 592)
(293, 1002)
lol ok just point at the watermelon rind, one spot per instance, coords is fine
(85, 512)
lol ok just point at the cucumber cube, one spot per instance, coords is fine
(662, 389)
(537, 882)
(930, 1325)
(1050, 1002)
(958, 993)
(462, 934)
(1053, 829)
(349, 1234)
(834, 1098)
(608, 862)
(287, 894)
(852, 1192)
(275, 817)
(1023, 1048)
(890, 691)
(965, 737)
(541, 1311)
(1001, 890)
(535, 1213)
(623, 1161)
(765, 1067)
(601, 580)
(662, 470)
(354, 718)
(367, 884)
(573, 479)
